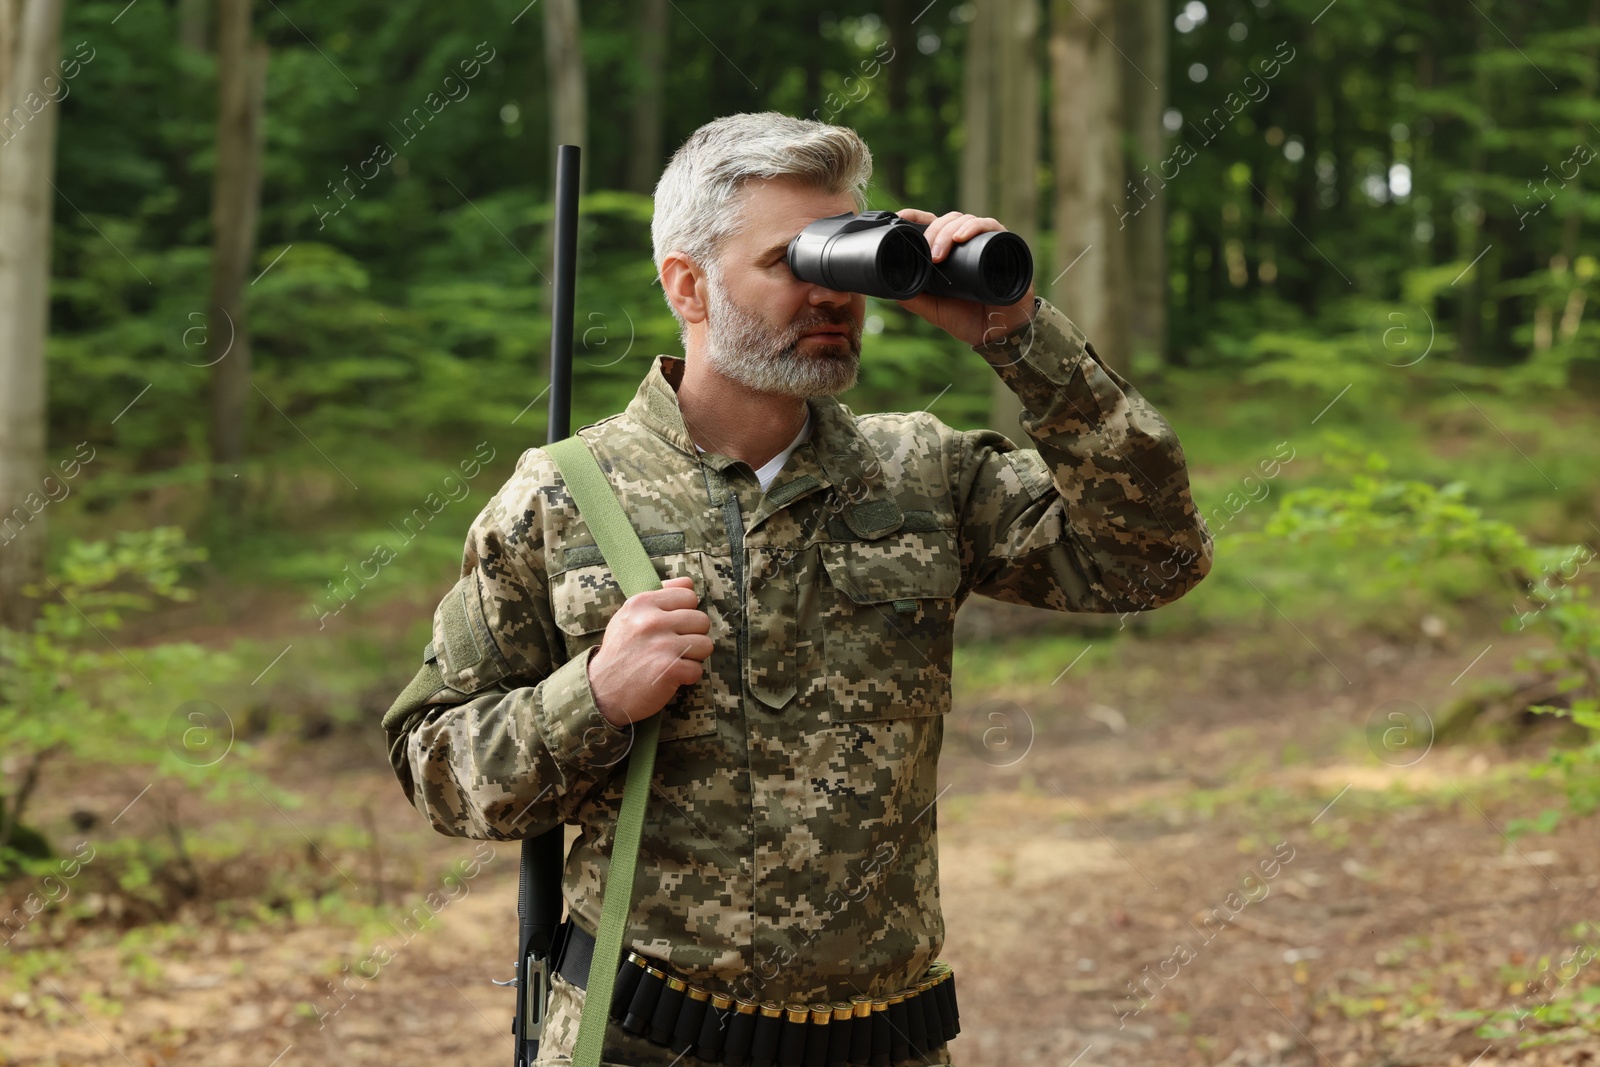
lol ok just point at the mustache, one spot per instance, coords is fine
(832, 320)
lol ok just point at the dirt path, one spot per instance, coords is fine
(1220, 838)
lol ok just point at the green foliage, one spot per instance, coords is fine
(405, 310)
(67, 688)
(391, 336)
(1418, 524)
(1569, 611)
(1417, 521)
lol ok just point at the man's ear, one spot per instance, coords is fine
(684, 283)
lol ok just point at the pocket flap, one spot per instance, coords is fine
(583, 599)
(911, 566)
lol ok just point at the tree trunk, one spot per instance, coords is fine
(1086, 154)
(903, 39)
(977, 109)
(192, 24)
(1016, 203)
(1018, 125)
(1423, 183)
(1115, 340)
(1572, 225)
(645, 162)
(569, 109)
(569, 122)
(30, 45)
(1301, 276)
(1144, 25)
(235, 205)
(1469, 233)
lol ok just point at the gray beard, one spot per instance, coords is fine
(743, 348)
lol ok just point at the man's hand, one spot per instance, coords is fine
(653, 644)
(973, 323)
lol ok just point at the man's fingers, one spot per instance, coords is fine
(949, 229)
(972, 226)
(957, 229)
(938, 241)
(931, 234)
(669, 597)
(695, 646)
(689, 621)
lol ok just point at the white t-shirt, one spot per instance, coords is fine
(770, 469)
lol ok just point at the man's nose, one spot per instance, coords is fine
(821, 294)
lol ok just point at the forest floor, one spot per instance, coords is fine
(1127, 842)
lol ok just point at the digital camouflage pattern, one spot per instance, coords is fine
(789, 848)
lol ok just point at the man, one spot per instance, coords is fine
(799, 651)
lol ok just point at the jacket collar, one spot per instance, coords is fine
(845, 456)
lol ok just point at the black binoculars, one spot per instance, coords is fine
(881, 254)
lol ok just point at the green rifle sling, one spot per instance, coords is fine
(619, 544)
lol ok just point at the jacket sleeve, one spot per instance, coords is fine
(498, 735)
(1100, 517)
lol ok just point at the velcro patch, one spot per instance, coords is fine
(460, 643)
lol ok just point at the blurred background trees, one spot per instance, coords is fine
(294, 258)
(30, 33)
(274, 323)
(1191, 176)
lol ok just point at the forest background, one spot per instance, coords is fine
(274, 324)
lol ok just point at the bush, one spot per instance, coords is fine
(66, 689)
(1419, 524)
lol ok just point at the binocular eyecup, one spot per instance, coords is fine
(881, 254)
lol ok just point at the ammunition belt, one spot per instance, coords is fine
(649, 1001)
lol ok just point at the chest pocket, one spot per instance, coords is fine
(889, 625)
(584, 598)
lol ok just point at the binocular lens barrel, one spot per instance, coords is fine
(880, 254)
(902, 262)
(992, 268)
(882, 260)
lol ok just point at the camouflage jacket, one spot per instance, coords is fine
(789, 850)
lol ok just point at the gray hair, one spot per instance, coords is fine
(693, 199)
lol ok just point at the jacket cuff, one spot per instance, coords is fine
(1049, 347)
(575, 733)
